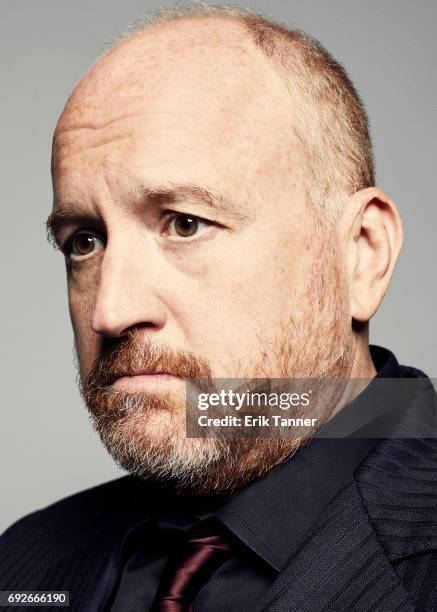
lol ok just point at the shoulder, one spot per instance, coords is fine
(54, 533)
(79, 510)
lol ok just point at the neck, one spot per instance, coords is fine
(363, 366)
(361, 373)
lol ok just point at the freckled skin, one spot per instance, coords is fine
(185, 104)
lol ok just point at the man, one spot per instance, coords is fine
(214, 199)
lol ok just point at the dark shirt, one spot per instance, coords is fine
(266, 521)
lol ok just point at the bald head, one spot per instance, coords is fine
(230, 50)
(189, 66)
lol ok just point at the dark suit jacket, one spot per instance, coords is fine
(374, 548)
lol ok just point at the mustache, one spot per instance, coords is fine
(132, 355)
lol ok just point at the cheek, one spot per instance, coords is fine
(243, 297)
(81, 311)
(260, 280)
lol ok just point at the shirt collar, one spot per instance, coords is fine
(272, 515)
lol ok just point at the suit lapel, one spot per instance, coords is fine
(341, 565)
(85, 558)
(398, 486)
(347, 562)
(398, 481)
(109, 560)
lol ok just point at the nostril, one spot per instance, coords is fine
(117, 323)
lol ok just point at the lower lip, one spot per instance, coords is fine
(146, 382)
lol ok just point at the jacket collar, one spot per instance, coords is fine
(386, 513)
(340, 565)
(397, 483)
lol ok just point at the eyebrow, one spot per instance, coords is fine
(182, 193)
(60, 218)
(64, 215)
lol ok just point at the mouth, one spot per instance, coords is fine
(150, 382)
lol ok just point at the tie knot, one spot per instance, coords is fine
(199, 557)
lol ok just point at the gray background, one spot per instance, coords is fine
(48, 449)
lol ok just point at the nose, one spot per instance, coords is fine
(127, 294)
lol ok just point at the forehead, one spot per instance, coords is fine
(178, 91)
(199, 65)
(217, 55)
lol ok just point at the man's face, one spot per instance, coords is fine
(191, 235)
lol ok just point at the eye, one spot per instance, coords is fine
(186, 226)
(81, 244)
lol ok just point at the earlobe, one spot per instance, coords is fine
(378, 235)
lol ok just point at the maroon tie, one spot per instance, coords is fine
(186, 573)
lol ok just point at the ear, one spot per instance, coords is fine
(375, 238)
